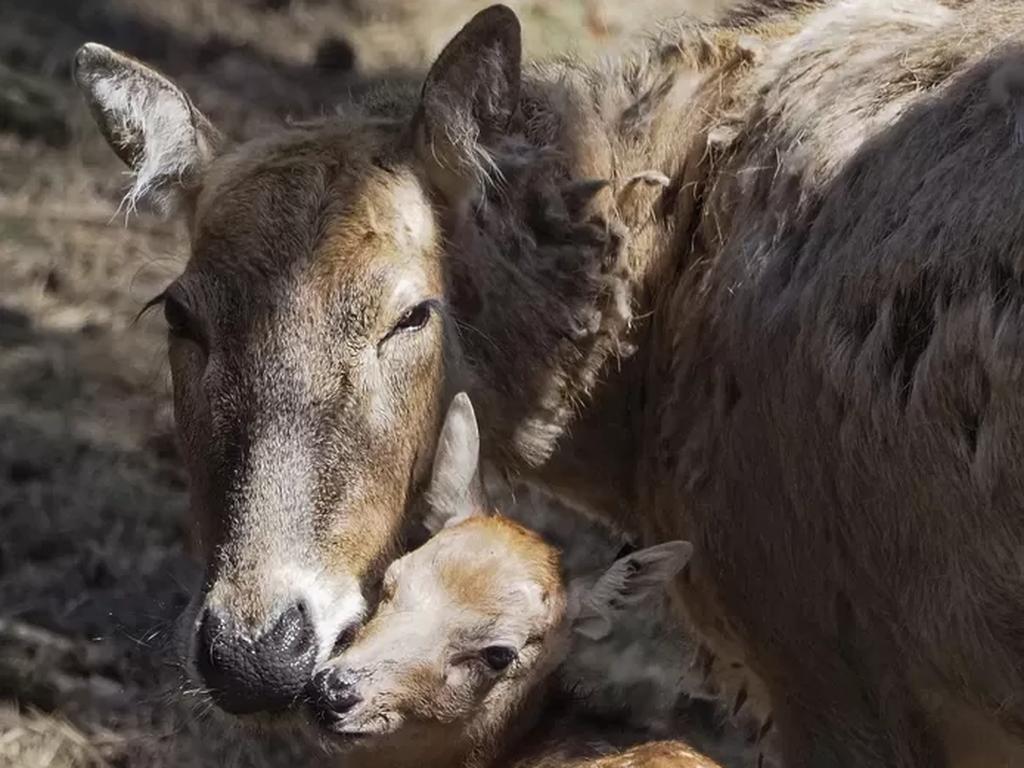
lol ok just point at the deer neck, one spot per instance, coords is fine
(557, 268)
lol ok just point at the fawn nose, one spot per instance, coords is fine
(333, 693)
(266, 673)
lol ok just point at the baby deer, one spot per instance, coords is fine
(457, 665)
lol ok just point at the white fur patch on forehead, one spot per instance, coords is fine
(414, 215)
(408, 289)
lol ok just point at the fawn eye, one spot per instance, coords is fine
(498, 657)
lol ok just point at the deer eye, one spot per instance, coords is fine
(180, 321)
(498, 657)
(413, 318)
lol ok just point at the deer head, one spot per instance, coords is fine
(314, 335)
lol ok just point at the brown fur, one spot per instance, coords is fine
(824, 297)
(845, 364)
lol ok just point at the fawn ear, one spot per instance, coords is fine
(630, 580)
(456, 491)
(468, 98)
(149, 122)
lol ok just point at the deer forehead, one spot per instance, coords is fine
(488, 566)
(361, 253)
(315, 198)
(384, 217)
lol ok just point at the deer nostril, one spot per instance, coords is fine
(293, 633)
(333, 694)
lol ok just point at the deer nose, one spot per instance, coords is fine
(333, 693)
(263, 674)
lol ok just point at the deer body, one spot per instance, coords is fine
(804, 220)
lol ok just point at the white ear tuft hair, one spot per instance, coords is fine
(148, 121)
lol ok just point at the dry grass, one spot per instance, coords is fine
(33, 739)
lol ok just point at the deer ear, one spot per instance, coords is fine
(469, 96)
(630, 580)
(149, 122)
(456, 491)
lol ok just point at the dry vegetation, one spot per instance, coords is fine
(92, 566)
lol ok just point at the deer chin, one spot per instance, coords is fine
(360, 727)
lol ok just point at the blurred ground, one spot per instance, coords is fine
(92, 569)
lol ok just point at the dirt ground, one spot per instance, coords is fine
(92, 567)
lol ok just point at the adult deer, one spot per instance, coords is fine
(817, 235)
